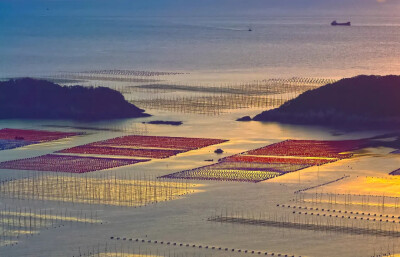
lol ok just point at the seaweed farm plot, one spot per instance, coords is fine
(11, 144)
(208, 105)
(306, 162)
(323, 224)
(311, 148)
(216, 99)
(143, 146)
(33, 135)
(321, 217)
(224, 175)
(326, 210)
(107, 190)
(127, 146)
(274, 167)
(13, 138)
(65, 163)
(361, 190)
(356, 200)
(19, 223)
(105, 77)
(132, 76)
(185, 143)
(257, 87)
(132, 73)
(237, 171)
(273, 160)
(105, 150)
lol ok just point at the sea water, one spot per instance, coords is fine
(44, 38)
(47, 37)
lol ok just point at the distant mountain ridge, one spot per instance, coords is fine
(28, 98)
(352, 102)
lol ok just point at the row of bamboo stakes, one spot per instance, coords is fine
(204, 98)
(378, 201)
(128, 190)
(122, 249)
(16, 222)
(310, 222)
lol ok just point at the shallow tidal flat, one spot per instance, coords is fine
(257, 188)
(131, 211)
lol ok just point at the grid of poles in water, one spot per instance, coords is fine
(181, 248)
(96, 76)
(216, 99)
(155, 90)
(371, 215)
(354, 214)
(126, 247)
(315, 223)
(125, 191)
(17, 223)
(114, 76)
(362, 200)
(126, 127)
(91, 193)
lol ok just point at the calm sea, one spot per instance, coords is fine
(46, 40)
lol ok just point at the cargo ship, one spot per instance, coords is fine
(335, 23)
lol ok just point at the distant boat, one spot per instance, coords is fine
(250, 29)
(335, 23)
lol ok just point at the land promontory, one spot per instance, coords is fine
(28, 98)
(352, 102)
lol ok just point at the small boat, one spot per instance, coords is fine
(219, 151)
(335, 23)
(250, 29)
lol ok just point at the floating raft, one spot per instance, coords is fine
(67, 163)
(274, 160)
(14, 138)
(112, 153)
(144, 146)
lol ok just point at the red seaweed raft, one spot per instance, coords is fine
(67, 163)
(34, 135)
(100, 150)
(186, 143)
(274, 160)
(311, 148)
(143, 147)
(13, 138)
